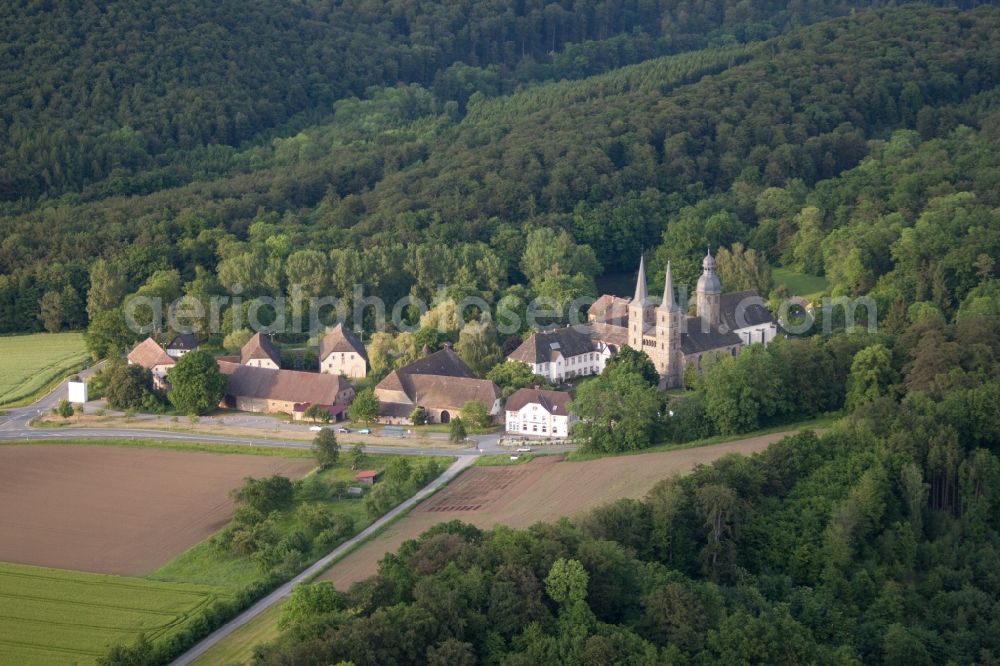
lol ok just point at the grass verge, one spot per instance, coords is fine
(504, 459)
(204, 447)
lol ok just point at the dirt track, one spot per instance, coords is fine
(117, 510)
(543, 490)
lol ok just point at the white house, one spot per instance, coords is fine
(342, 353)
(539, 413)
(260, 352)
(182, 344)
(562, 354)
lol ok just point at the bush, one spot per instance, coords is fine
(65, 409)
(265, 495)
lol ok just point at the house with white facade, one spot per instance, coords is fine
(537, 413)
(182, 344)
(261, 352)
(342, 353)
(563, 353)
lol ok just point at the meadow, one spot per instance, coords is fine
(54, 616)
(29, 364)
(809, 287)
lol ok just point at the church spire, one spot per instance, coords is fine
(640, 284)
(668, 303)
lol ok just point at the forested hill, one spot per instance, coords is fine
(100, 92)
(733, 144)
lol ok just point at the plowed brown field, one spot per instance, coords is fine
(545, 489)
(117, 510)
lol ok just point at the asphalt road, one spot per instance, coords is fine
(280, 593)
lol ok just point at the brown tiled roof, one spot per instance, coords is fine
(609, 307)
(228, 364)
(450, 392)
(445, 363)
(260, 346)
(541, 347)
(341, 339)
(554, 402)
(149, 354)
(439, 381)
(288, 385)
(609, 334)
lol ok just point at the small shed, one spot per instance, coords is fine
(366, 476)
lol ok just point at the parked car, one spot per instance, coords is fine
(315, 428)
(343, 430)
(365, 431)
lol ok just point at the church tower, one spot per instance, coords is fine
(640, 310)
(708, 294)
(667, 357)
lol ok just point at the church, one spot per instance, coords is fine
(722, 323)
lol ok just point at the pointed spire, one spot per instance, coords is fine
(668, 303)
(640, 283)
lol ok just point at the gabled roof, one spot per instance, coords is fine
(184, 341)
(748, 305)
(259, 347)
(439, 381)
(542, 347)
(609, 307)
(149, 354)
(554, 402)
(341, 339)
(445, 363)
(247, 381)
(366, 474)
(695, 341)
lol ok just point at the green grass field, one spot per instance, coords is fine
(52, 616)
(30, 364)
(809, 287)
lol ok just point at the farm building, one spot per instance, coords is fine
(342, 353)
(367, 477)
(255, 389)
(441, 383)
(261, 352)
(182, 344)
(535, 412)
(150, 355)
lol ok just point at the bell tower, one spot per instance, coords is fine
(667, 357)
(640, 310)
(709, 294)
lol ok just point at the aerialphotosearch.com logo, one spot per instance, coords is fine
(296, 313)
